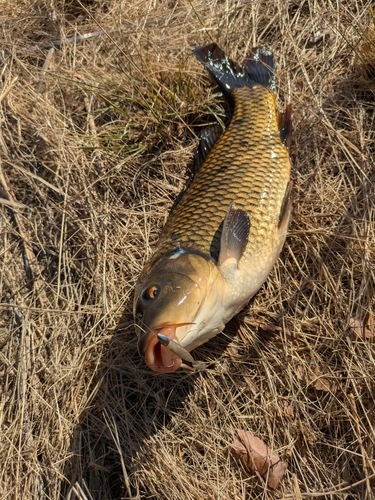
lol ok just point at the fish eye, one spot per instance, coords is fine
(150, 293)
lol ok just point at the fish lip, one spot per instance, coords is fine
(156, 356)
(146, 336)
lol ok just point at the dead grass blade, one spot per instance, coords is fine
(95, 145)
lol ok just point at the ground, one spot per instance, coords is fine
(97, 138)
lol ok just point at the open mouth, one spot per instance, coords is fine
(159, 358)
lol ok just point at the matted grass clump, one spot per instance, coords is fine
(97, 138)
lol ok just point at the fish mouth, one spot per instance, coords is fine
(157, 357)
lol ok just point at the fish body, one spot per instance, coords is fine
(224, 235)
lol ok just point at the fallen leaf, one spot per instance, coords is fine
(314, 377)
(259, 457)
(285, 409)
(268, 332)
(251, 384)
(321, 383)
(301, 373)
(364, 328)
(308, 433)
(70, 18)
(233, 353)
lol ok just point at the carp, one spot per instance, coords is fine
(222, 238)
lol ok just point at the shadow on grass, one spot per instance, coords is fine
(130, 405)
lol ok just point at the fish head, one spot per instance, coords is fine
(169, 300)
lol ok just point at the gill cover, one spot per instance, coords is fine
(170, 294)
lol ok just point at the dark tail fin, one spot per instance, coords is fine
(257, 68)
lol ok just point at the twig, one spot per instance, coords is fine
(25, 375)
(10, 203)
(7, 89)
(46, 65)
(53, 12)
(366, 461)
(33, 176)
(112, 427)
(86, 36)
(78, 491)
(92, 127)
(31, 263)
(64, 41)
(328, 492)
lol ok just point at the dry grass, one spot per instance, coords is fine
(94, 148)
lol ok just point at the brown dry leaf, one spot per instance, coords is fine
(314, 377)
(69, 18)
(252, 385)
(309, 435)
(301, 373)
(259, 457)
(363, 328)
(322, 383)
(268, 332)
(233, 353)
(285, 409)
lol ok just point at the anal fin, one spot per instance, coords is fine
(286, 207)
(235, 234)
(285, 121)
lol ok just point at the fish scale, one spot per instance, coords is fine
(248, 165)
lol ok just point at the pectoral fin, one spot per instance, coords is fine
(235, 234)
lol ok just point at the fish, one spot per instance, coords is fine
(227, 228)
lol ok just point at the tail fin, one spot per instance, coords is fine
(257, 68)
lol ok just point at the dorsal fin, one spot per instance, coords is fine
(208, 138)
